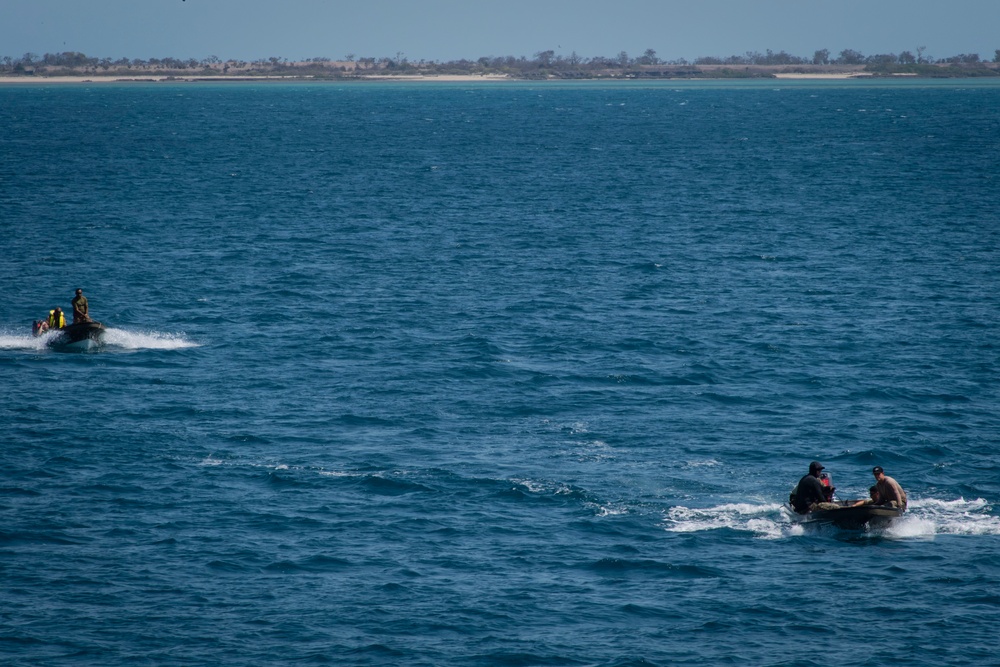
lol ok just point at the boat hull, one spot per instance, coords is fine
(81, 336)
(848, 516)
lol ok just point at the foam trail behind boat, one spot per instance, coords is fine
(923, 518)
(120, 339)
(146, 340)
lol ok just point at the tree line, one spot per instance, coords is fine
(544, 64)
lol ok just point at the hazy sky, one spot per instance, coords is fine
(454, 29)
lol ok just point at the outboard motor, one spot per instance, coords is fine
(828, 487)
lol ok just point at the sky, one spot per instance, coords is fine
(445, 30)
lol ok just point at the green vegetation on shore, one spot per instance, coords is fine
(543, 65)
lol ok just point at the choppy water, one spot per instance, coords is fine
(499, 374)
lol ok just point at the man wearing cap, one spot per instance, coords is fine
(889, 490)
(809, 494)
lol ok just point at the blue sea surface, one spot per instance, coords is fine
(499, 374)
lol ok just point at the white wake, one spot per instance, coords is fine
(114, 339)
(924, 518)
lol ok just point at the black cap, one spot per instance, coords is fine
(877, 470)
(815, 465)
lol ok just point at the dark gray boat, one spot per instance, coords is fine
(79, 336)
(847, 515)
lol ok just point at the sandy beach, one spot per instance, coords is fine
(821, 75)
(436, 77)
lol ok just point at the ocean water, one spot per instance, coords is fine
(500, 374)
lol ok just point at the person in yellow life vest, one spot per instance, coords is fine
(56, 318)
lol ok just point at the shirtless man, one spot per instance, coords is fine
(889, 490)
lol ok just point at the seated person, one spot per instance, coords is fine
(810, 494)
(56, 318)
(872, 498)
(889, 491)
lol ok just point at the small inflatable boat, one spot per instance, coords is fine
(79, 336)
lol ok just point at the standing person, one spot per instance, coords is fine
(809, 493)
(889, 490)
(81, 309)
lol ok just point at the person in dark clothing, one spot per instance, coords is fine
(809, 493)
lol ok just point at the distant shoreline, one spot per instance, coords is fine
(72, 67)
(694, 73)
(453, 78)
